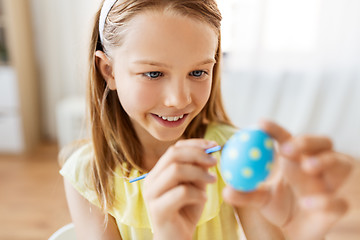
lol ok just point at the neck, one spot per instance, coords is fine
(153, 150)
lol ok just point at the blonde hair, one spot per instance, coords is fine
(113, 137)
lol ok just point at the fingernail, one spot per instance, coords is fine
(287, 148)
(307, 203)
(311, 163)
(310, 202)
(212, 177)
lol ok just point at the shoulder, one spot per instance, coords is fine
(219, 132)
(77, 171)
(79, 161)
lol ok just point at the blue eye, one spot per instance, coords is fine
(197, 73)
(153, 74)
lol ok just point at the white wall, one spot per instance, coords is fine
(61, 35)
(317, 103)
(312, 85)
(297, 62)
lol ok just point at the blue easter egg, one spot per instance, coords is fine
(247, 158)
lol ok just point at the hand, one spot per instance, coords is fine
(175, 189)
(301, 196)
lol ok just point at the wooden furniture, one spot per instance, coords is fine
(19, 103)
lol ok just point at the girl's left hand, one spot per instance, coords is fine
(301, 196)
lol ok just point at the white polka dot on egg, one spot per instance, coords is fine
(244, 137)
(233, 153)
(247, 172)
(255, 154)
(269, 144)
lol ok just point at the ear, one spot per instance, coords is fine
(105, 67)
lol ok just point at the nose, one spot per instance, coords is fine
(177, 93)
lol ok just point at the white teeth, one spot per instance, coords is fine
(172, 119)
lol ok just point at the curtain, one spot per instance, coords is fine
(296, 62)
(293, 61)
(62, 32)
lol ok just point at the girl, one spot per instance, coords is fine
(154, 106)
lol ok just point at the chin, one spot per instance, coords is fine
(170, 135)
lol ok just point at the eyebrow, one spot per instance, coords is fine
(207, 61)
(159, 64)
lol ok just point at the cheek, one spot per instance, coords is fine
(202, 93)
(135, 97)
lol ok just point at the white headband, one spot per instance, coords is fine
(108, 4)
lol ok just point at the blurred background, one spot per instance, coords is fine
(293, 61)
(297, 62)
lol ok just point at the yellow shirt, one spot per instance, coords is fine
(217, 221)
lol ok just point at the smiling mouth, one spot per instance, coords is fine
(171, 119)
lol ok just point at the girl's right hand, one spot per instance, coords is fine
(175, 189)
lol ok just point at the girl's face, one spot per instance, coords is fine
(163, 73)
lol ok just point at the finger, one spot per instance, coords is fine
(185, 155)
(317, 164)
(313, 144)
(332, 167)
(282, 136)
(337, 208)
(201, 143)
(306, 144)
(274, 202)
(257, 198)
(336, 175)
(334, 206)
(184, 150)
(177, 174)
(277, 132)
(178, 197)
(315, 219)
